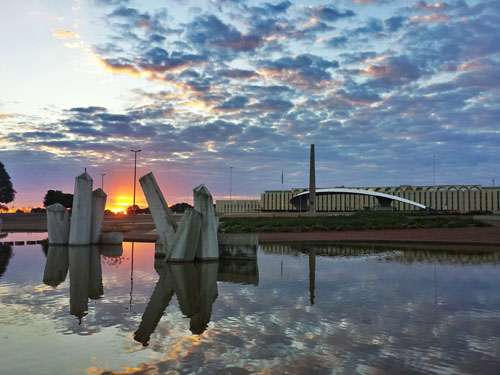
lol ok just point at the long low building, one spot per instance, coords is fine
(230, 206)
(459, 198)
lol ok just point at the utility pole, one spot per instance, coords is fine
(230, 183)
(102, 180)
(434, 169)
(135, 177)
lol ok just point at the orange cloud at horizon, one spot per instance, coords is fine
(65, 34)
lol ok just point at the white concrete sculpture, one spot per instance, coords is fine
(187, 237)
(162, 216)
(81, 213)
(57, 224)
(87, 218)
(203, 203)
(196, 235)
(98, 206)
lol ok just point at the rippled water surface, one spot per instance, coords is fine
(293, 310)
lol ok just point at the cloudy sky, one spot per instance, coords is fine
(382, 87)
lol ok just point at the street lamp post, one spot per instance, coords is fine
(135, 177)
(230, 183)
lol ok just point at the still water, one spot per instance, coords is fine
(293, 310)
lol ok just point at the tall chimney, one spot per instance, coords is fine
(312, 182)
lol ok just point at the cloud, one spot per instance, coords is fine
(392, 70)
(236, 102)
(64, 34)
(210, 31)
(338, 41)
(237, 73)
(395, 23)
(332, 14)
(252, 83)
(302, 70)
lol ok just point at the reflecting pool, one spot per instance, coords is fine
(291, 309)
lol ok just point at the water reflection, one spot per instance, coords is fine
(5, 255)
(85, 274)
(239, 271)
(356, 310)
(56, 266)
(312, 275)
(395, 254)
(195, 286)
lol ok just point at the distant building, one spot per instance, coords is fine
(227, 206)
(458, 198)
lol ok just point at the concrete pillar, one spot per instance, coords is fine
(98, 205)
(312, 181)
(203, 203)
(57, 224)
(162, 216)
(56, 267)
(187, 239)
(81, 214)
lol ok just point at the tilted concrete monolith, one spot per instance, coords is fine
(98, 204)
(203, 203)
(81, 213)
(187, 238)
(162, 216)
(57, 224)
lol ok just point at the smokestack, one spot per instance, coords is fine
(312, 181)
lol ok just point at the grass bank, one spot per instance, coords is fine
(358, 221)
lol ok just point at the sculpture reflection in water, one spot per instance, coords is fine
(5, 255)
(85, 273)
(195, 285)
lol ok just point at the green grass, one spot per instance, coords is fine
(358, 221)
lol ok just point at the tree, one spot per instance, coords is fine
(57, 196)
(7, 192)
(38, 210)
(179, 208)
(131, 210)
